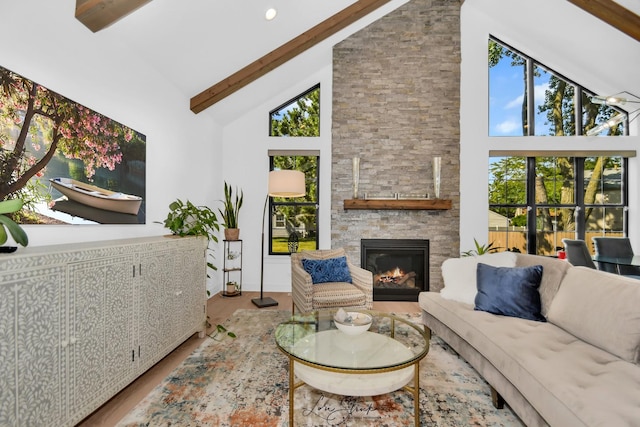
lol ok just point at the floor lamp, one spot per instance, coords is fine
(282, 183)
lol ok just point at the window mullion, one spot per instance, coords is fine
(579, 198)
(531, 205)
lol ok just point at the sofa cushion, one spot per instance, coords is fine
(602, 309)
(459, 274)
(510, 291)
(553, 273)
(338, 294)
(328, 270)
(568, 381)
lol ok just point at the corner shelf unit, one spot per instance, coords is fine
(398, 204)
(232, 268)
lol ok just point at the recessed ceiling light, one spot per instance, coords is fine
(270, 14)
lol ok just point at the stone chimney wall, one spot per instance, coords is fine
(396, 105)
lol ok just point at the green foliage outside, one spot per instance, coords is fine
(299, 119)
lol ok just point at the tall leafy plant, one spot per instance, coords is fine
(231, 208)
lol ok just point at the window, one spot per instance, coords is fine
(535, 202)
(299, 116)
(527, 98)
(537, 199)
(293, 223)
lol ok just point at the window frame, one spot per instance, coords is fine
(291, 102)
(579, 204)
(579, 90)
(273, 205)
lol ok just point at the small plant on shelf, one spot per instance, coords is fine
(232, 287)
(231, 212)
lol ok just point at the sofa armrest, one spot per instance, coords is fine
(363, 280)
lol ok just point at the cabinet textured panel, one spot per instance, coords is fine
(33, 328)
(100, 354)
(79, 322)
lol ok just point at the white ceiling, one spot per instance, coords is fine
(197, 43)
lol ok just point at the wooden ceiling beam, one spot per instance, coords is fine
(282, 54)
(99, 14)
(613, 14)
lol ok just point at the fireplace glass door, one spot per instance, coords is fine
(400, 267)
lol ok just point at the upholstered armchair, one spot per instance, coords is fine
(308, 296)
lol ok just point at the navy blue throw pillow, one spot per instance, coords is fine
(328, 270)
(510, 291)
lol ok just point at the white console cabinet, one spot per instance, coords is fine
(79, 322)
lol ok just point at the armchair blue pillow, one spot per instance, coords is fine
(328, 270)
(510, 291)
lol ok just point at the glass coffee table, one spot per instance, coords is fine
(383, 359)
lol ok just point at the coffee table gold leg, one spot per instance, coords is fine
(416, 393)
(291, 392)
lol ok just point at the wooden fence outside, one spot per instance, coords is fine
(517, 240)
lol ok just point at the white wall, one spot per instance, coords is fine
(246, 146)
(45, 43)
(568, 40)
(246, 165)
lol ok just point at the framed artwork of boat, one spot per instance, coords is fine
(69, 163)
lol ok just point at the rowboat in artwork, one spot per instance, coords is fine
(97, 197)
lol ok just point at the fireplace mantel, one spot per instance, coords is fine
(398, 204)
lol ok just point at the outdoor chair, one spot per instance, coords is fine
(615, 247)
(578, 253)
(309, 296)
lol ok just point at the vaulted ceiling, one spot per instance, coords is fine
(211, 49)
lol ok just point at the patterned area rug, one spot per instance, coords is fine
(244, 382)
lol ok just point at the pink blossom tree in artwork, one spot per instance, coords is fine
(61, 125)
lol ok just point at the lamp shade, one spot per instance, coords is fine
(286, 183)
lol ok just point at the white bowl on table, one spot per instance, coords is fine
(355, 323)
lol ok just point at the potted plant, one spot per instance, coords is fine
(7, 224)
(232, 287)
(230, 212)
(481, 249)
(187, 219)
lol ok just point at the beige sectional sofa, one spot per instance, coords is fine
(579, 368)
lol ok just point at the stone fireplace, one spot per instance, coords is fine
(400, 267)
(395, 116)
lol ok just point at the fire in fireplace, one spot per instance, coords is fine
(400, 267)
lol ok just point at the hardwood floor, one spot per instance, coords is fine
(219, 309)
